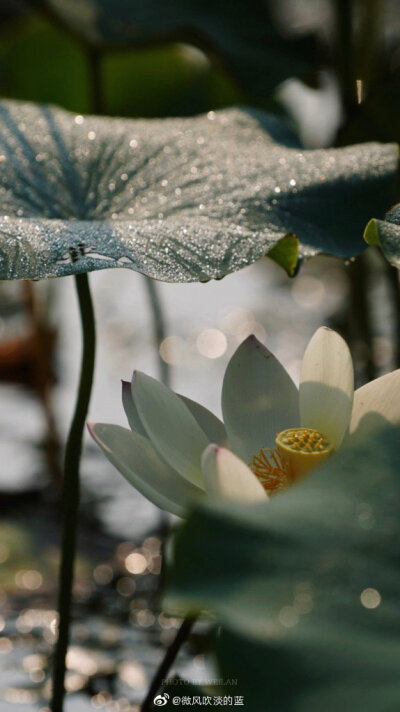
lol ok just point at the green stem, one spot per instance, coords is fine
(173, 650)
(361, 327)
(392, 276)
(164, 371)
(94, 58)
(71, 488)
(345, 53)
(368, 38)
(159, 330)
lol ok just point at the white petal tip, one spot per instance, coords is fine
(226, 476)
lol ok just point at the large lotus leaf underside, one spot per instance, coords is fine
(241, 33)
(179, 200)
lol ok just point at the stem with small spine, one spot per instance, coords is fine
(159, 330)
(71, 489)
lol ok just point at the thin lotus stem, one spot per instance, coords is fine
(361, 328)
(368, 39)
(392, 276)
(343, 11)
(158, 327)
(71, 489)
(173, 650)
(94, 58)
(159, 333)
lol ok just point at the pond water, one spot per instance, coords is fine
(120, 630)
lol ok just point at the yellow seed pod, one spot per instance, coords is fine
(303, 449)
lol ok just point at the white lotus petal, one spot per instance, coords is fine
(136, 459)
(170, 425)
(130, 409)
(212, 426)
(226, 475)
(259, 399)
(376, 404)
(327, 385)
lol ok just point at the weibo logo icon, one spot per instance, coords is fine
(161, 700)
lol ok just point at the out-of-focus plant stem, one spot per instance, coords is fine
(345, 52)
(354, 63)
(158, 326)
(71, 489)
(368, 39)
(392, 276)
(159, 334)
(361, 330)
(173, 650)
(94, 57)
(44, 337)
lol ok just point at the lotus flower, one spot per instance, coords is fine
(273, 433)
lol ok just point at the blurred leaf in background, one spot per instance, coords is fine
(242, 35)
(170, 80)
(305, 586)
(40, 62)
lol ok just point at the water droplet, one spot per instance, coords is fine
(370, 598)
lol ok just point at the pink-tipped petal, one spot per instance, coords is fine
(226, 476)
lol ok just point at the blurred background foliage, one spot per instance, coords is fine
(346, 40)
(328, 43)
(44, 63)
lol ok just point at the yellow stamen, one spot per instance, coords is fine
(271, 469)
(297, 452)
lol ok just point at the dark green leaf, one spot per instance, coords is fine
(306, 586)
(286, 254)
(242, 34)
(167, 80)
(386, 234)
